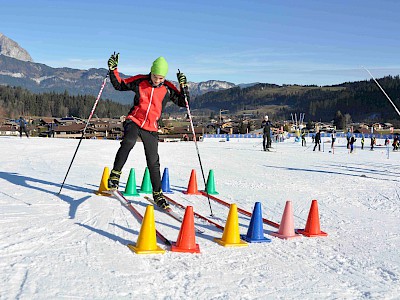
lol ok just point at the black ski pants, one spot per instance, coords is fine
(266, 141)
(23, 129)
(150, 142)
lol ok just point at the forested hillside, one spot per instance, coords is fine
(16, 101)
(363, 100)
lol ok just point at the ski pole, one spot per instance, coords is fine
(84, 130)
(195, 141)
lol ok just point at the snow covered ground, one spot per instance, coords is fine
(73, 245)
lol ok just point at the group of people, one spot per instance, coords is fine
(351, 140)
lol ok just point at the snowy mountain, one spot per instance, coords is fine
(18, 69)
(209, 86)
(10, 48)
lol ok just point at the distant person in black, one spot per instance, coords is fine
(51, 130)
(22, 127)
(351, 142)
(266, 125)
(362, 141)
(396, 143)
(303, 139)
(317, 141)
(333, 136)
(373, 142)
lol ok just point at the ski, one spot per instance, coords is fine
(170, 212)
(242, 211)
(125, 202)
(174, 202)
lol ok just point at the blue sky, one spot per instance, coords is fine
(277, 41)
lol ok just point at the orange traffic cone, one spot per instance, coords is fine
(187, 237)
(192, 187)
(147, 240)
(231, 235)
(103, 188)
(286, 229)
(312, 226)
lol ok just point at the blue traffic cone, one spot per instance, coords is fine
(255, 233)
(165, 182)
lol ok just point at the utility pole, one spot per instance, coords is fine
(220, 114)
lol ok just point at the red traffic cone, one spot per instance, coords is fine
(192, 187)
(186, 241)
(312, 226)
(286, 229)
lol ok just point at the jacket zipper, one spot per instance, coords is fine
(148, 108)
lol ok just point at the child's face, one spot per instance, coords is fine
(157, 79)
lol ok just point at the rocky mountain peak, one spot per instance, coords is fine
(10, 48)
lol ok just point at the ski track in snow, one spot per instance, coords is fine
(73, 245)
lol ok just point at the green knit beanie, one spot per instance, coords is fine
(160, 67)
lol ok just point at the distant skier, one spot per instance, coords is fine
(333, 137)
(303, 139)
(387, 141)
(317, 140)
(373, 142)
(152, 92)
(266, 125)
(351, 143)
(348, 137)
(362, 141)
(396, 143)
(22, 127)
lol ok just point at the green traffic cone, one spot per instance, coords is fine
(211, 184)
(130, 189)
(146, 187)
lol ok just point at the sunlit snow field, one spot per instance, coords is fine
(73, 245)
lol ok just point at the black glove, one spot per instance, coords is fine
(181, 79)
(113, 62)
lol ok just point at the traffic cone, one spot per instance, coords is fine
(130, 189)
(103, 188)
(231, 235)
(147, 240)
(312, 226)
(165, 182)
(211, 184)
(192, 187)
(146, 187)
(286, 229)
(255, 232)
(186, 241)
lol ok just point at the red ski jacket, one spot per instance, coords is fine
(149, 101)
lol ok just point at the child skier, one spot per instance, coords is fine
(351, 142)
(152, 92)
(317, 141)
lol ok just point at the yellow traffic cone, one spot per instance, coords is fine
(104, 183)
(231, 235)
(147, 240)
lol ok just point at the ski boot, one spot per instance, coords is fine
(113, 181)
(159, 199)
